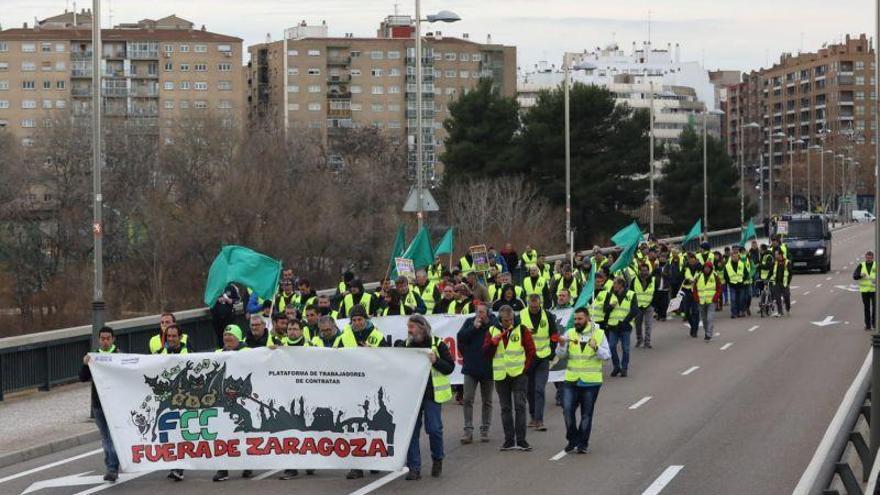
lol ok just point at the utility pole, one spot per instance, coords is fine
(568, 233)
(651, 161)
(97, 165)
(419, 131)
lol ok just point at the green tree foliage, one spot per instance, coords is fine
(480, 133)
(680, 192)
(609, 156)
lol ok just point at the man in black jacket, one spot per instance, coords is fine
(477, 371)
(106, 344)
(442, 364)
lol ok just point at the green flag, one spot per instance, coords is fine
(585, 296)
(695, 232)
(399, 244)
(627, 235)
(626, 257)
(245, 266)
(419, 250)
(447, 243)
(748, 233)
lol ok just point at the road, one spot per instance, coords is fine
(740, 414)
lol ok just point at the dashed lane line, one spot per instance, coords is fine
(726, 346)
(640, 403)
(379, 483)
(753, 328)
(50, 465)
(690, 370)
(660, 483)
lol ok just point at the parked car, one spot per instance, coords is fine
(863, 216)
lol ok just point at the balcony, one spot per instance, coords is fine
(144, 75)
(87, 73)
(114, 55)
(339, 113)
(114, 73)
(338, 95)
(81, 56)
(145, 92)
(336, 80)
(845, 80)
(143, 112)
(143, 55)
(338, 60)
(114, 92)
(115, 111)
(80, 92)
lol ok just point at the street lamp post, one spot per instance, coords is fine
(442, 16)
(791, 143)
(742, 168)
(840, 157)
(811, 149)
(822, 178)
(772, 137)
(651, 161)
(569, 232)
(706, 166)
(97, 165)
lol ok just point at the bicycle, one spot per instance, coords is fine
(766, 303)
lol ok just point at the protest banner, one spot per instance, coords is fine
(283, 408)
(480, 256)
(405, 268)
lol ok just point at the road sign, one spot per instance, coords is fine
(428, 201)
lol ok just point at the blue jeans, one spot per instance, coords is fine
(622, 336)
(572, 398)
(111, 461)
(735, 299)
(433, 427)
(538, 376)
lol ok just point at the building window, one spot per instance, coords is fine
(355, 54)
(292, 53)
(376, 72)
(314, 107)
(28, 123)
(293, 88)
(4, 104)
(314, 72)
(378, 107)
(450, 57)
(378, 90)
(224, 85)
(314, 88)
(46, 66)
(393, 90)
(394, 72)
(169, 86)
(860, 65)
(394, 55)
(860, 81)
(200, 67)
(60, 66)
(224, 104)
(47, 104)
(224, 48)
(393, 107)
(476, 57)
(28, 47)
(184, 48)
(60, 103)
(169, 48)
(183, 104)
(464, 74)
(356, 107)
(292, 71)
(200, 104)
(4, 85)
(169, 104)
(200, 48)
(4, 66)
(47, 84)
(169, 67)
(294, 107)
(394, 124)
(377, 55)
(4, 46)
(464, 57)
(314, 53)
(183, 85)
(28, 67)
(450, 91)
(28, 85)
(450, 74)
(60, 84)
(224, 67)
(46, 47)
(355, 72)
(355, 89)
(200, 86)
(184, 67)
(28, 104)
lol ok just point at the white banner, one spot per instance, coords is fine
(446, 327)
(288, 408)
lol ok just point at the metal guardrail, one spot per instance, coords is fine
(46, 359)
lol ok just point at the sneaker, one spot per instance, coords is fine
(532, 424)
(467, 438)
(176, 475)
(413, 476)
(539, 426)
(648, 346)
(569, 448)
(289, 474)
(615, 372)
(355, 474)
(583, 450)
(221, 476)
(484, 436)
(247, 473)
(524, 446)
(623, 374)
(707, 338)
(639, 343)
(111, 476)
(436, 468)
(507, 445)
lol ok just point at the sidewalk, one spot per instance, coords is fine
(38, 423)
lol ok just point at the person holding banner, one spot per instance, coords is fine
(258, 336)
(437, 391)
(477, 371)
(297, 335)
(362, 329)
(328, 335)
(233, 339)
(106, 344)
(512, 351)
(174, 342)
(542, 325)
(157, 342)
(585, 348)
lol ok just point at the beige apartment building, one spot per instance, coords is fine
(154, 72)
(825, 99)
(310, 80)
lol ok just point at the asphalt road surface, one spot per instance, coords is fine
(743, 413)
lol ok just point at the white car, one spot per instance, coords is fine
(863, 216)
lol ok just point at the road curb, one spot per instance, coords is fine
(48, 448)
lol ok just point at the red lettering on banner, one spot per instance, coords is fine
(273, 446)
(325, 446)
(137, 453)
(450, 343)
(203, 450)
(377, 446)
(357, 447)
(290, 445)
(341, 448)
(254, 446)
(308, 446)
(185, 449)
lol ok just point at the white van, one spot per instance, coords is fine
(863, 216)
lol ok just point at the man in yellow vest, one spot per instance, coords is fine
(511, 349)
(585, 348)
(529, 257)
(174, 342)
(437, 391)
(365, 334)
(357, 295)
(330, 336)
(535, 283)
(410, 298)
(866, 275)
(542, 324)
(427, 289)
(233, 340)
(643, 286)
(780, 284)
(706, 293)
(157, 342)
(620, 310)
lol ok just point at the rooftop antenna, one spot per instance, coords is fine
(396, 5)
(649, 28)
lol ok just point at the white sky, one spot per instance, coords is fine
(726, 34)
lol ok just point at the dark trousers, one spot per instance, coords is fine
(111, 461)
(692, 312)
(869, 302)
(433, 421)
(578, 435)
(781, 295)
(621, 335)
(538, 376)
(512, 398)
(661, 303)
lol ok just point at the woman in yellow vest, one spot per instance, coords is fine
(585, 348)
(866, 275)
(437, 392)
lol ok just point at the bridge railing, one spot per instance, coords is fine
(47, 359)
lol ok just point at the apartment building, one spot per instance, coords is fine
(824, 98)
(311, 81)
(153, 72)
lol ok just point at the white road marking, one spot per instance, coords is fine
(807, 293)
(122, 479)
(267, 474)
(690, 370)
(558, 456)
(827, 278)
(718, 334)
(640, 403)
(829, 320)
(379, 483)
(753, 328)
(726, 346)
(50, 465)
(818, 285)
(846, 323)
(660, 483)
(794, 302)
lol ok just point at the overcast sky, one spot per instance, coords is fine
(726, 34)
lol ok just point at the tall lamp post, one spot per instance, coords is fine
(706, 166)
(569, 235)
(809, 151)
(791, 143)
(773, 137)
(842, 159)
(742, 168)
(442, 16)
(97, 165)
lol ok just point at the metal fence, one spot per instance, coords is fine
(46, 359)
